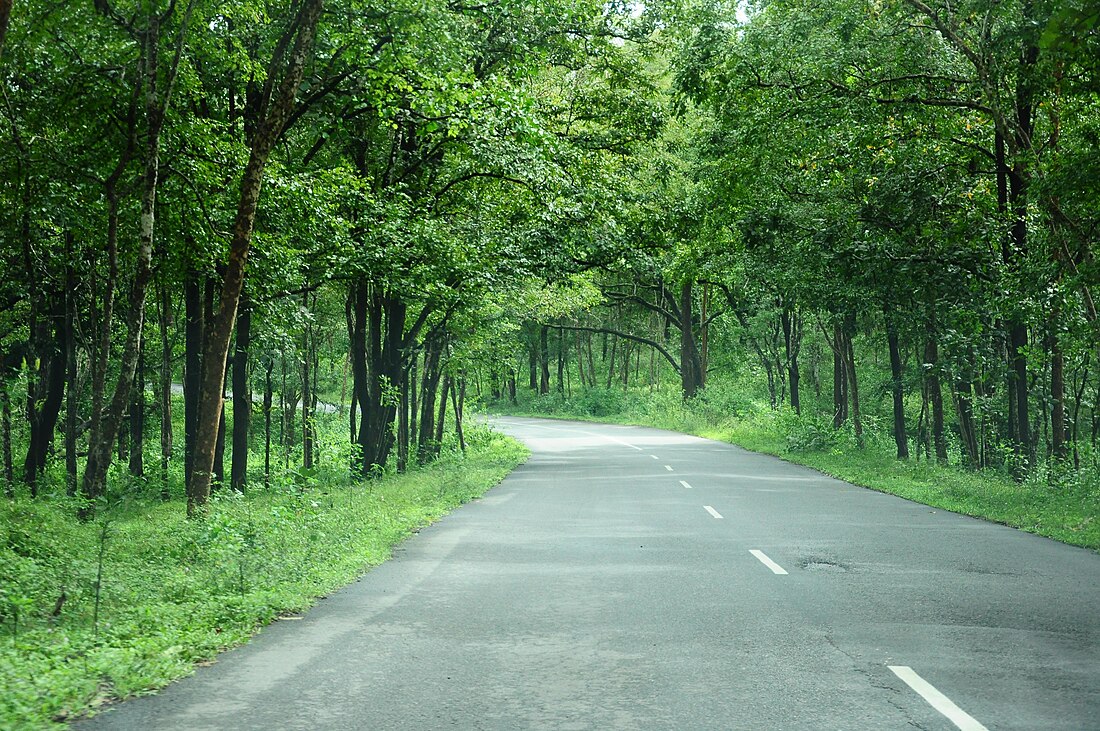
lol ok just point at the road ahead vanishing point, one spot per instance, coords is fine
(628, 578)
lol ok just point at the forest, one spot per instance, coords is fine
(252, 244)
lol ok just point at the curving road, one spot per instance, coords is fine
(629, 578)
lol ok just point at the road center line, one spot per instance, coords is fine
(713, 512)
(776, 568)
(654, 456)
(668, 467)
(685, 484)
(936, 699)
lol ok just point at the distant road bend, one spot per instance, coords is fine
(629, 578)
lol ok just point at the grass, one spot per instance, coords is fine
(174, 592)
(1057, 503)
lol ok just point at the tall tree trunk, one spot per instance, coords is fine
(792, 341)
(137, 416)
(269, 398)
(242, 397)
(853, 383)
(403, 424)
(448, 382)
(935, 394)
(533, 365)
(458, 401)
(901, 439)
(165, 390)
(49, 392)
(426, 447)
(1058, 432)
(156, 104)
(192, 366)
(5, 429)
(561, 361)
(967, 434)
(840, 378)
(544, 360)
(72, 389)
(307, 391)
(277, 107)
(691, 378)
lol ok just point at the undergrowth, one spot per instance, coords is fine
(78, 630)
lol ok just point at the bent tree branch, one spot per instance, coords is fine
(626, 336)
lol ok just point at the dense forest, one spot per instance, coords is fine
(243, 238)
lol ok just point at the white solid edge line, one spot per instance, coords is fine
(936, 699)
(712, 511)
(685, 484)
(763, 558)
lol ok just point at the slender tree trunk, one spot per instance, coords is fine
(792, 340)
(192, 367)
(561, 361)
(165, 390)
(403, 425)
(967, 434)
(448, 382)
(72, 389)
(544, 360)
(853, 383)
(691, 379)
(307, 392)
(156, 104)
(935, 395)
(426, 447)
(278, 107)
(533, 363)
(242, 397)
(137, 416)
(1058, 431)
(611, 367)
(458, 400)
(901, 439)
(268, 399)
(5, 430)
(840, 379)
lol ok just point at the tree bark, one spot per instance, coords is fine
(427, 448)
(853, 383)
(691, 377)
(792, 341)
(242, 398)
(165, 390)
(901, 439)
(192, 367)
(137, 416)
(1058, 432)
(275, 109)
(840, 378)
(544, 360)
(935, 395)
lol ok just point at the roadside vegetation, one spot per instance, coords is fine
(274, 248)
(94, 611)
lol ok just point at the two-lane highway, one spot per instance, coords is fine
(629, 578)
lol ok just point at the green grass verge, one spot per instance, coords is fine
(1064, 505)
(176, 592)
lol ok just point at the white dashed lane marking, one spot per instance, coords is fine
(936, 699)
(776, 568)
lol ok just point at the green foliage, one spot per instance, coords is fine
(175, 592)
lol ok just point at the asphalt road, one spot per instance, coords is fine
(628, 578)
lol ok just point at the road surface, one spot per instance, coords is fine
(628, 578)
